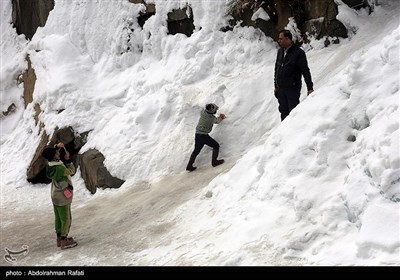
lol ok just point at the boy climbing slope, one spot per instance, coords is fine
(202, 137)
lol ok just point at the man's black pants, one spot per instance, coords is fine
(288, 99)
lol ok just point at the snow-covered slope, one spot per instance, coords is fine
(291, 193)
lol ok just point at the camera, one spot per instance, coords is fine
(63, 153)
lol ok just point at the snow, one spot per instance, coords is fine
(260, 13)
(296, 192)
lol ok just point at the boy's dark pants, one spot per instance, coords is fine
(201, 140)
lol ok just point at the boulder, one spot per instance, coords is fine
(94, 173)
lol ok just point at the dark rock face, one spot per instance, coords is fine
(313, 17)
(321, 19)
(149, 11)
(73, 143)
(181, 21)
(11, 109)
(356, 4)
(244, 10)
(94, 173)
(36, 169)
(27, 16)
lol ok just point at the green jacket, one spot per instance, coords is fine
(206, 122)
(60, 176)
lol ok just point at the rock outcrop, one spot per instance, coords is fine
(27, 16)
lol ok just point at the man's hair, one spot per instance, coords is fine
(286, 33)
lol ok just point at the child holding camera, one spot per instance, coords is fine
(61, 192)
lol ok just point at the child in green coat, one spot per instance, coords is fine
(61, 193)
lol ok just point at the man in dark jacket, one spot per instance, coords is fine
(291, 63)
